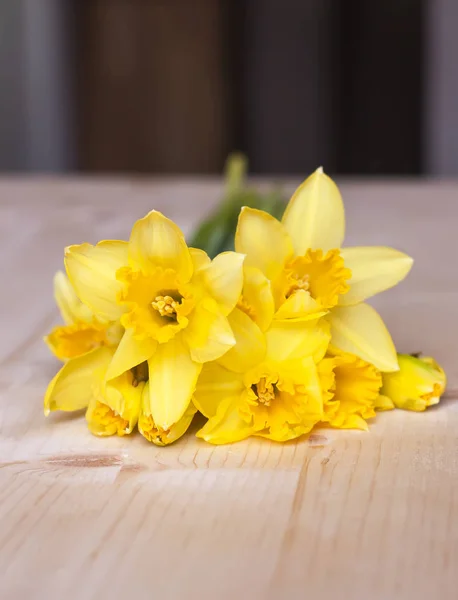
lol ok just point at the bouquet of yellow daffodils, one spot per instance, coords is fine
(271, 340)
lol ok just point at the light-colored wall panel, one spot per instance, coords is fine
(36, 110)
(441, 88)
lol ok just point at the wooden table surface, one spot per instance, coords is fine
(346, 515)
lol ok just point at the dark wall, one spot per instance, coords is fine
(174, 86)
(380, 93)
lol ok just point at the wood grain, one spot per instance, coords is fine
(343, 514)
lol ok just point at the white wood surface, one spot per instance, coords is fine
(342, 515)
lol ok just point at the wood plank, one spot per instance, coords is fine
(343, 514)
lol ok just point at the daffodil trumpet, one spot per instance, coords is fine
(82, 331)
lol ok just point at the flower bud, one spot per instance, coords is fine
(419, 383)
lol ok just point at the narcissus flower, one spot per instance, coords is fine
(267, 385)
(113, 407)
(351, 387)
(272, 340)
(419, 383)
(172, 301)
(82, 331)
(153, 433)
(310, 274)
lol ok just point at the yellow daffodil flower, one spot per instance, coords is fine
(153, 433)
(419, 383)
(311, 275)
(351, 387)
(112, 407)
(82, 331)
(172, 301)
(267, 385)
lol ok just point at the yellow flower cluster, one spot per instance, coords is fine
(271, 340)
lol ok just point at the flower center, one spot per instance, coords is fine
(152, 432)
(245, 307)
(157, 304)
(323, 275)
(108, 420)
(139, 373)
(167, 306)
(298, 283)
(434, 393)
(265, 391)
(70, 341)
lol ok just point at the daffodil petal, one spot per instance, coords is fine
(258, 297)
(226, 426)
(264, 241)
(250, 346)
(223, 278)
(124, 398)
(352, 422)
(130, 353)
(300, 305)
(208, 334)
(361, 331)
(383, 403)
(157, 241)
(199, 258)
(292, 340)
(73, 386)
(215, 385)
(155, 434)
(172, 381)
(373, 270)
(284, 434)
(70, 306)
(314, 217)
(92, 272)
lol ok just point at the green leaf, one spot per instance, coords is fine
(216, 233)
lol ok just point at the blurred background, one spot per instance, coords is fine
(172, 86)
